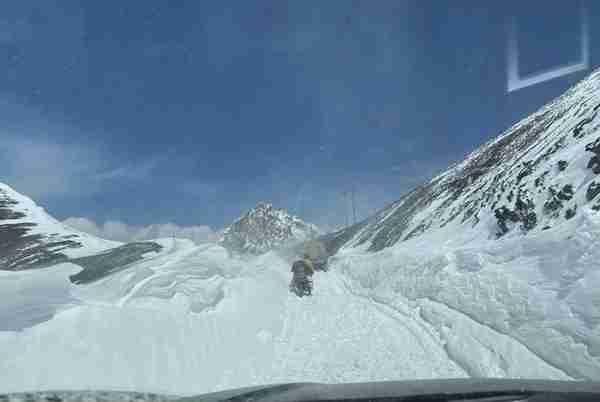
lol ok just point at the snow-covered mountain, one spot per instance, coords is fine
(30, 238)
(265, 228)
(442, 283)
(537, 174)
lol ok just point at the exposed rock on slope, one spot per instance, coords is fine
(30, 238)
(96, 267)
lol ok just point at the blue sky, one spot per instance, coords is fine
(191, 112)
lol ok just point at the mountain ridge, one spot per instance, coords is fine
(535, 174)
(30, 238)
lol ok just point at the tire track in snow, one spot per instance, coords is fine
(430, 327)
(402, 318)
(499, 334)
(425, 326)
(416, 325)
(336, 336)
(501, 363)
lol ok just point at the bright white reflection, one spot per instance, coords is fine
(515, 81)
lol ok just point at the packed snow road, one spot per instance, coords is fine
(334, 336)
(191, 320)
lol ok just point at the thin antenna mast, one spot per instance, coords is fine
(354, 202)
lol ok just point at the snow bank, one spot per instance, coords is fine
(31, 297)
(542, 290)
(192, 320)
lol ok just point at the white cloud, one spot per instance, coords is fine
(84, 225)
(133, 171)
(119, 231)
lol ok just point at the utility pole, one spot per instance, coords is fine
(345, 195)
(350, 195)
(354, 202)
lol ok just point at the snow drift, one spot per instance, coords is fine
(190, 319)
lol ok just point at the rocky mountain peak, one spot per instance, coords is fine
(264, 228)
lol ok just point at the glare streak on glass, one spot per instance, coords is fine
(515, 81)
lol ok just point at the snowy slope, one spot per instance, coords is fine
(29, 237)
(537, 174)
(265, 228)
(541, 290)
(190, 319)
(508, 238)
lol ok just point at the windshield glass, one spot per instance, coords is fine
(202, 195)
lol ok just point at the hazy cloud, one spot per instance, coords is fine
(119, 231)
(44, 159)
(196, 188)
(133, 171)
(39, 167)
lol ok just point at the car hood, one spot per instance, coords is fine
(488, 390)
